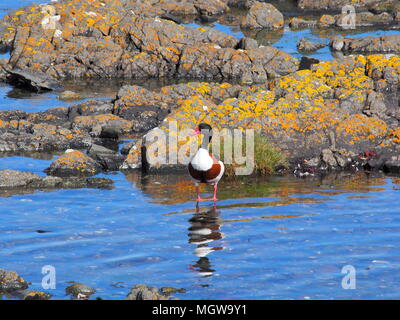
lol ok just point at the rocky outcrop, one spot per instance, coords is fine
(382, 44)
(122, 41)
(334, 4)
(336, 108)
(263, 16)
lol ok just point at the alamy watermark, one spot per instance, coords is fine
(173, 146)
(49, 279)
(348, 17)
(349, 280)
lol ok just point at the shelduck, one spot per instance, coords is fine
(204, 167)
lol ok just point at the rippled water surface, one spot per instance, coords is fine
(280, 237)
(266, 238)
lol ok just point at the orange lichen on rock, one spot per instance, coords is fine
(74, 161)
(360, 127)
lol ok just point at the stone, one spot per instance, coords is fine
(144, 292)
(329, 158)
(299, 23)
(11, 281)
(10, 179)
(263, 16)
(31, 80)
(74, 163)
(326, 21)
(307, 45)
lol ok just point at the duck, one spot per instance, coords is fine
(204, 167)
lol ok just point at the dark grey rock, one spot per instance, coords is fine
(31, 80)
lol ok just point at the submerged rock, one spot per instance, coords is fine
(307, 45)
(15, 182)
(80, 291)
(144, 292)
(11, 281)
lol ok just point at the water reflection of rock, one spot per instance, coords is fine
(204, 229)
(178, 188)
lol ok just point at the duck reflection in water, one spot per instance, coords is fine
(204, 229)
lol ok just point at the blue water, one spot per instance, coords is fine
(277, 238)
(288, 39)
(269, 238)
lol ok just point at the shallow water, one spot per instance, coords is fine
(281, 238)
(270, 238)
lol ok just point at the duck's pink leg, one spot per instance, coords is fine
(215, 193)
(198, 194)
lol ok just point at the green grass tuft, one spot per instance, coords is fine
(267, 158)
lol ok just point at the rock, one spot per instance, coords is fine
(10, 179)
(328, 157)
(140, 45)
(125, 149)
(363, 19)
(299, 23)
(263, 15)
(333, 4)
(11, 281)
(31, 80)
(109, 162)
(307, 45)
(306, 114)
(99, 150)
(383, 44)
(80, 291)
(307, 62)
(207, 8)
(25, 184)
(381, 7)
(69, 95)
(326, 21)
(247, 43)
(144, 292)
(33, 295)
(170, 290)
(337, 43)
(74, 163)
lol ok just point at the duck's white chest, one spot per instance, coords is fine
(202, 160)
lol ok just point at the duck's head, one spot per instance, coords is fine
(204, 129)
